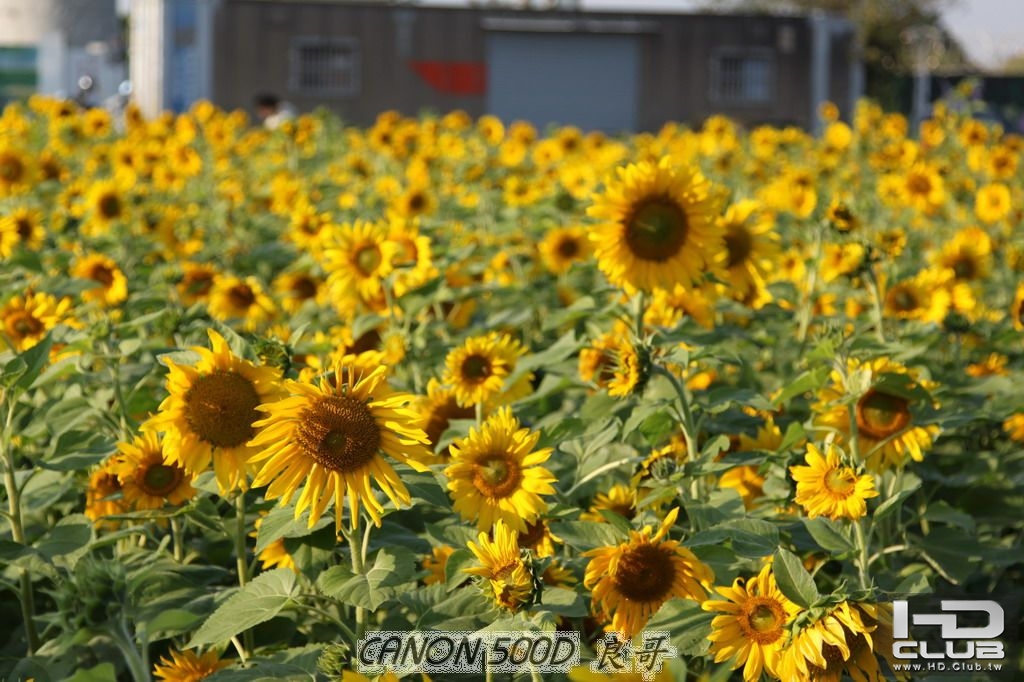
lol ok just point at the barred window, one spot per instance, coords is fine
(743, 77)
(325, 67)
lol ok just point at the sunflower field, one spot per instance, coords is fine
(266, 393)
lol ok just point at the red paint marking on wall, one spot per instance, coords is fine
(454, 78)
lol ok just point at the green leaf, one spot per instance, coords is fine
(69, 538)
(564, 602)
(454, 573)
(810, 380)
(891, 505)
(104, 672)
(35, 359)
(793, 579)
(393, 568)
(585, 535)
(830, 536)
(256, 603)
(751, 538)
(281, 523)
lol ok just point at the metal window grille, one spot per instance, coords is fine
(325, 67)
(740, 78)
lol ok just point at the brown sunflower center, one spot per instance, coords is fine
(964, 267)
(159, 480)
(417, 202)
(497, 476)
(198, 283)
(102, 274)
(241, 296)
(24, 228)
(11, 169)
(903, 299)
(881, 415)
(441, 416)
(24, 325)
(761, 619)
(368, 259)
(109, 206)
(919, 184)
(476, 369)
(656, 230)
(304, 288)
(339, 433)
(534, 534)
(841, 481)
(568, 248)
(221, 407)
(739, 243)
(645, 573)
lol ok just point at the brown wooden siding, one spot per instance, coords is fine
(253, 39)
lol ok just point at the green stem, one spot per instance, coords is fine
(126, 643)
(176, 536)
(357, 550)
(240, 551)
(25, 594)
(689, 424)
(334, 620)
(863, 558)
(876, 304)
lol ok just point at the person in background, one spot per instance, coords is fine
(272, 111)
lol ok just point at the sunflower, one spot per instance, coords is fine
(747, 481)
(563, 246)
(669, 307)
(22, 228)
(233, 298)
(15, 171)
(357, 258)
(967, 256)
(539, 539)
(295, 288)
(329, 440)
(620, 499)
(886, 432)
(413, 262)
(436, 564)
(210, 413)
(111, 285)
(26, 319)
(632, 580)
(840, 641)
(1014, 427)
(106, 204)
(923, 297)
(438, 408)
(477, 370)
(188, 666)
(657, 227)
(923, 188)
(196, 282)
(508, 579)
(827, 488)
(752, 625)
(148, 480)
(496, 474)
(752, 246)
(103, 496)
(1016, 308)
(840, 259)
(992, 203)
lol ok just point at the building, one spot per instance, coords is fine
(51, 46)
(596, 70)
